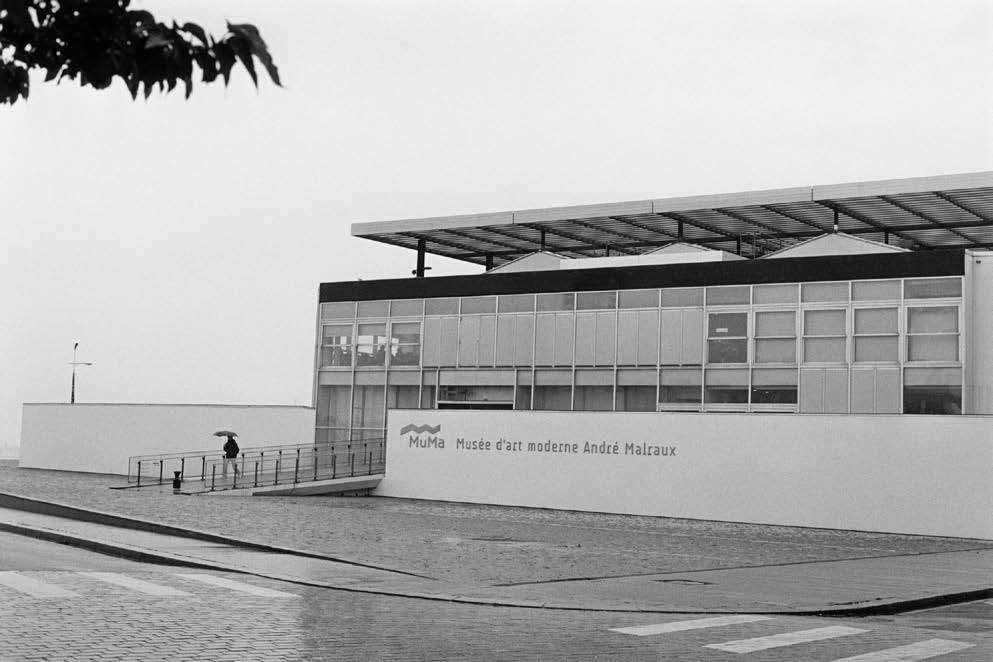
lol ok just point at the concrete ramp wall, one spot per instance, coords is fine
(904, 474)
(100, 438)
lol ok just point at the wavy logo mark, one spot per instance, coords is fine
(430, 429)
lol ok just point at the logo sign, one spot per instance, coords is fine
(430, 438)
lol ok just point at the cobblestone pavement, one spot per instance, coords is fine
(106, 621)
(63, 603)
(471, 543)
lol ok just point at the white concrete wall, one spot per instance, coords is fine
(978, 302)
(908, 474)
(101, 437)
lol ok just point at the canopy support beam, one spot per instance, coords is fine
(421, 250)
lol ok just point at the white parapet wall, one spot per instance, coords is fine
(906, 474)
(101, 437)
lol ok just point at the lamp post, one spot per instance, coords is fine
(72, 393)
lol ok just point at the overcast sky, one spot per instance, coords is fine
(181, 243)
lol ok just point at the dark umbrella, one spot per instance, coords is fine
(225, 433)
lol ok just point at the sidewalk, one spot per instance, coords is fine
(527, 558)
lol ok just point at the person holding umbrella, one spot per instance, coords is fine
(230, 452)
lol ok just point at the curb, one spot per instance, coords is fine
(28, 504)
(153, 556)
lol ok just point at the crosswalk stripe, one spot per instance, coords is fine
(922, 650)
(134, 584)
(238, 586)
(695, 624)
(785, 639)
(33, 587)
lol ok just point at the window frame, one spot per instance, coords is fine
(933, 303)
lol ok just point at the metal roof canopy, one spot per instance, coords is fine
(946, 211)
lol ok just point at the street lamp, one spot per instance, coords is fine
(72, 396)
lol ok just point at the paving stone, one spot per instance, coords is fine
(472, 543)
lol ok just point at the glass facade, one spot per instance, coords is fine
(869, 346)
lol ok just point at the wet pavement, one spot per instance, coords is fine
(473, 544)
(99, 608)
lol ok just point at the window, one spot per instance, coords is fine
(638, 299)
(565, 301)
(370, 345)
(373, 308)
(636, 398)
(517, 303)
(876, 290)
(724, 296)
(594, 398)
(333, 406)
(368, 408)
(815, 292)
(473, 305)
(763, 294)
(824, 336)
(407, 308)
(932, 288)
(933, 333)
(932, 391)
(775, 337)
(727, 338)
(441, 306)
(680, 389)
(596, 300)
(336, 345)
(727, 389)
(403, 397)
(522, 398)
(405, 343)
(682, 298)
(554, 398)
(876, 334)
(341, 310)
(428, 397)
(774, 388)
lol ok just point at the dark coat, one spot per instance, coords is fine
(231, 448)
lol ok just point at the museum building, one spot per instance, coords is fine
(863, 298)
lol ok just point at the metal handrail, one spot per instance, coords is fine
(300, 464)
(159, 468)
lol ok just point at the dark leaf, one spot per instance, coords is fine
(243, 50)
(196, 31)
(206, 63)
(259, 48)
(225, 60)
(133, 83)
(142, 18)
(156, 40)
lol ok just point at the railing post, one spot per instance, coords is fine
(315, 462)
(234, 479)
(160, 471)
(182, 467)
(296, 469)
(370, 463)
(275, 477)
(256, 473)
(333, 463)
(203, 467)
(213, 475)
(139, 473)
(351, 459)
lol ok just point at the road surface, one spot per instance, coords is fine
(59, 602)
